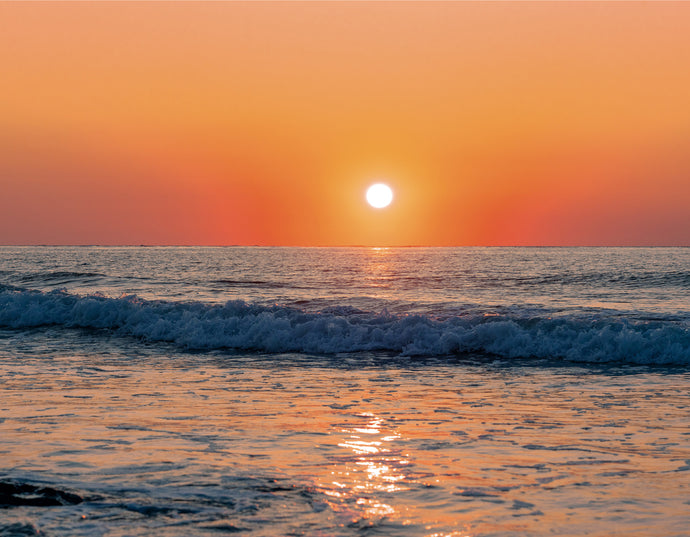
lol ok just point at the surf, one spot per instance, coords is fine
(595, 337)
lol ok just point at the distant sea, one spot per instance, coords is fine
(180, 391)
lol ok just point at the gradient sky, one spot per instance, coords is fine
(496, 123)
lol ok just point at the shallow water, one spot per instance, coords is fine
(180, 444)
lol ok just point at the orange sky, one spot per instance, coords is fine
(497, 123)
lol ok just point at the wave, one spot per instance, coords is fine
(59, 276)
(251, 283)
(237, 325)
(617, 279)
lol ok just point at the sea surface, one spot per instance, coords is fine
(459, 392)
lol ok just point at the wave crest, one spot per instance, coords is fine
(251, 327)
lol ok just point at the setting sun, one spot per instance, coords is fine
(295, 267)
(379, 195)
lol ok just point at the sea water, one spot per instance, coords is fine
(344, 391)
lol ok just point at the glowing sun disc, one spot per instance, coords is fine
(379, 195)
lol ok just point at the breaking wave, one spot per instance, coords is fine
(237, 325)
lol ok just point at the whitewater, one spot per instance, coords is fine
(591, 305)
(335, 391)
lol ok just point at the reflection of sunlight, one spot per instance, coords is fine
(451, 534)
(378, 271)
(374, 468)
(360, 448)
(374, 508)
(372, 482)
(366, 431)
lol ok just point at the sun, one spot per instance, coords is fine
(379, 195)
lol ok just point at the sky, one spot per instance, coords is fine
(222, 123)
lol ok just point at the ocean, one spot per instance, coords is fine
(459, 392)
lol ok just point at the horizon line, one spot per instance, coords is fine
(154, 245)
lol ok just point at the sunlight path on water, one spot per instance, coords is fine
(176, 443)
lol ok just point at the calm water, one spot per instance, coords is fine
(286, 391)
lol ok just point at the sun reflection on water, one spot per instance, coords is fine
(374, 480)
(375, 467)
(378, 271)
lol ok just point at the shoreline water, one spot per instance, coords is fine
(198, 443)
(133, 403)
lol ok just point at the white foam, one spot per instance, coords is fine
(244, 326)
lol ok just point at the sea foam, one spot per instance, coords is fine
(238, 325)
